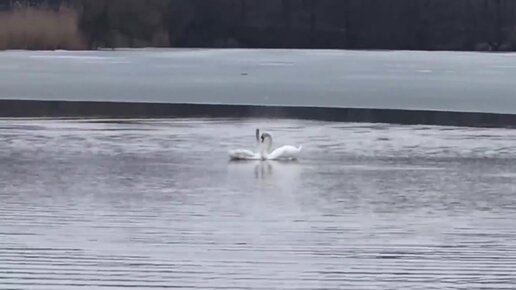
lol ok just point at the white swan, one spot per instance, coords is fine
(283, 152)
(264, 146)
(244, 154)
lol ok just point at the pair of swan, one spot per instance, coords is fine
(264, 150)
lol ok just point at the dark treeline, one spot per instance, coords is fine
(350, 24)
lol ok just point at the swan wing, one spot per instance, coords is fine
(243, 154)
(285, 152)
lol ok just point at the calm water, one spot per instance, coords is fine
(156, 204)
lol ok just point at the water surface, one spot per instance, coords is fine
(157, 204)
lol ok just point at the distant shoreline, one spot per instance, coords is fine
(85, 109)
(462, 25)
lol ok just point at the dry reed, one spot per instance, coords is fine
(40, 29)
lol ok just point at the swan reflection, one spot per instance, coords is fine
(282, 171)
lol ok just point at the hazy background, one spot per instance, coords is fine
(348, 24)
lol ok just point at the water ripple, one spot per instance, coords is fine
(155, 204)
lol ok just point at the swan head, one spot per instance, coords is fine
(266, 138)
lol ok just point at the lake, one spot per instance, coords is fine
(156, 203)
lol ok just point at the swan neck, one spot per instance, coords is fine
(265, 146)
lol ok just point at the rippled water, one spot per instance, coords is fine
(157, 204)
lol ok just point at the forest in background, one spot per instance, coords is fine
(345, 24)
